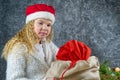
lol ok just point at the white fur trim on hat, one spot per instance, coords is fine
(42, 14)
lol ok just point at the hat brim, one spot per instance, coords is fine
(41, 14)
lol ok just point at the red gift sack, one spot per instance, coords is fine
(73, 51)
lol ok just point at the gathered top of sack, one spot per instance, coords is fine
(73, 50)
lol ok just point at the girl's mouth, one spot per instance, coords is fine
(43, 33)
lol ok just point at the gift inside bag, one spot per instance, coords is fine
(74, 63)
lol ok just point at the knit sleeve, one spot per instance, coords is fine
(54, 49)
(16, 64)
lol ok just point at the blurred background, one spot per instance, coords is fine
(94, 22)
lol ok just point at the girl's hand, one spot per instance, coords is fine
(51, 78)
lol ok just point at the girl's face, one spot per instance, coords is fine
(42, 28)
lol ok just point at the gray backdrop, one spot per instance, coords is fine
(95, 22)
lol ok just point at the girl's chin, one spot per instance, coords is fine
(41, 37)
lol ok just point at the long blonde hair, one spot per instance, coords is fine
(24, 36)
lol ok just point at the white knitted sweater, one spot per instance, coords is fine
(21, 66)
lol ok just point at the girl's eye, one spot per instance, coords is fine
(40, 23)
(49, 25)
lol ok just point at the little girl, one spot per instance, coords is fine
(30, 52)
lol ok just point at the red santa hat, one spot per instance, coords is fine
(40, 11)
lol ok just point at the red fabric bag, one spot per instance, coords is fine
(73, 51)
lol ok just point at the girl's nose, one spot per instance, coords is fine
(44, 26)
